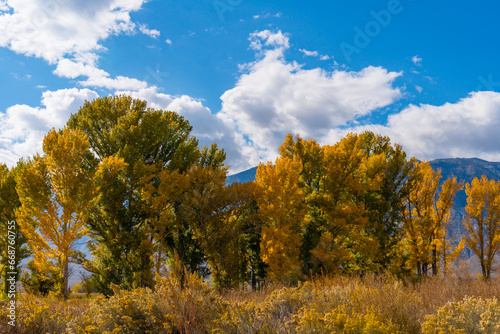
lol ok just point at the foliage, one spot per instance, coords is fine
(470, 315)
(482, 222)
(130, 145)
(55, 194)
(12, 242)
(427, 213)
(182, 303)
(35, 281)
(282, 211)
(353, 193)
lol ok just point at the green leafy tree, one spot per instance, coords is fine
(12, 239)
(124, 229)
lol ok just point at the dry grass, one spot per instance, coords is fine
(372, 304)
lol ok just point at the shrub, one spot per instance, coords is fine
(470, 315)
(182, 303)
(341, 320)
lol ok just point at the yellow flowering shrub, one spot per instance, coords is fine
(340, 320)
(470, 315)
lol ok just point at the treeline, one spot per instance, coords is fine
(134, 181)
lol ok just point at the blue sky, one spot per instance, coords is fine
(244, 73)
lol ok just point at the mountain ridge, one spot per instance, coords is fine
(465, 169)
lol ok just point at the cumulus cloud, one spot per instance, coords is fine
(95, 77)
(467, 129)
(69, 33)
(23, 127)
(207, 127)
(309, 53)
(276, 96)
(259, 39)
(54, 29)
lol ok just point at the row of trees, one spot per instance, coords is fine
(134, 182)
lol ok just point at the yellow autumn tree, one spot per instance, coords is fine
(442, 212)
(55, 194)
(353, 191)
(282, 210)
(482, 221)
(426, 216)
(162, 201)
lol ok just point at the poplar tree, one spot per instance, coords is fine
(13, 243)
(282, 211)
(55, 194)
(142, 141)
(482, 221)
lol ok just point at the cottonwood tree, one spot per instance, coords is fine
(55, 194)
(428, 208)
(353, 191)
(282, 212)
(122, 227)
(12, 239)
(482, 221)
(217, 214)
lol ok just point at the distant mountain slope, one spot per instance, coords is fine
(245, 176)
(463, 169)
(466, 170)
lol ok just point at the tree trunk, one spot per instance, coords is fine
(434, 261)
(65, 279)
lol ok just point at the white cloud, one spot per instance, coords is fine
(3, 6)
(120, 82)
(55, 29)
(416, 60)
(95, 77)
(23, 127)
(168, 41)
(265, 16)
(68, 33)
(419, 89)
(153, 33)
(275, 96)
(314, 54)
(268, 38)
(466, 129)
(309, 53)
(207, 127)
